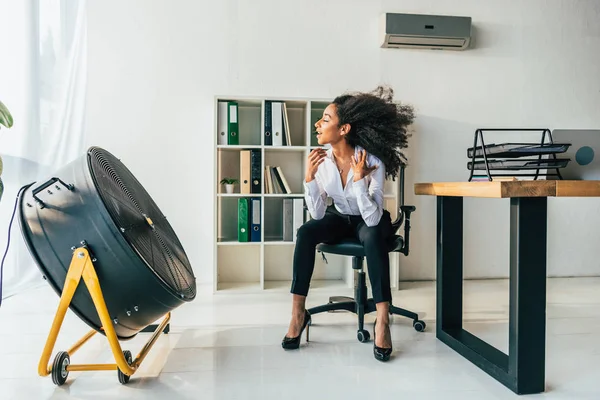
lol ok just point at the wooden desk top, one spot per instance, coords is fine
(507, 189)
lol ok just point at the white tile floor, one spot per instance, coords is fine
(228, 347)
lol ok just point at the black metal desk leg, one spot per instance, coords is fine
(522, 370)
(449, 264)
(527, 320)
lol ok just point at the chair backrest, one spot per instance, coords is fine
(402, 240)
(397, 223)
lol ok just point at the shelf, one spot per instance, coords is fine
(237, 195)
(273, 219)
(285, 195)
(239, 265)
(248, 123)
(266, 265)
(284, 148)
(237, 147)
(296, 111)
(228, 166)
(236, 243)
(227, 219)
(292, 166)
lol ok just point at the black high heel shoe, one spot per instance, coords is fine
(294, 343)
(380, 353)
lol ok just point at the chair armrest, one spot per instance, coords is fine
(406, 211)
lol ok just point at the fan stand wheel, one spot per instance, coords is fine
(123, 379)
(59, 368)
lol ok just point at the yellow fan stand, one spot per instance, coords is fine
(82, 267)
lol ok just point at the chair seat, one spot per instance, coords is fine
(352, 247)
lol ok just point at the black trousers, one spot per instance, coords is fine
(333, 227)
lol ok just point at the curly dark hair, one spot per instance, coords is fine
(377, 124)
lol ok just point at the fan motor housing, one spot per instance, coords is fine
(95, 201)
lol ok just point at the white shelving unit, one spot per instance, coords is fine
(266, 265)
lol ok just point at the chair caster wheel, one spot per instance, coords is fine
(123, 379)
(363, 336)
(419, 325)
(59, 368)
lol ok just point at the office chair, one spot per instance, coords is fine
(360, 305)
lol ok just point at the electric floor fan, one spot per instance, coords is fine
(107, 250)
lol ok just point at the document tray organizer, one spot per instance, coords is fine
(514, 150)
(520, 164)
(507, 158)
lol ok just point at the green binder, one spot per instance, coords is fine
(233, 136)
(243, 220)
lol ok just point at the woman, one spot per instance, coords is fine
(366, 132)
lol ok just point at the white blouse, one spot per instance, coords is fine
(363, 197)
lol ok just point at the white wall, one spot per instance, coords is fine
(155, 67)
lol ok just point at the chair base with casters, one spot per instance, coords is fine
(360, 304)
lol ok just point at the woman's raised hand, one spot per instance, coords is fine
(360, 166)
(315, 158)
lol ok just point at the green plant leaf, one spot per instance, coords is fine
(5, 118)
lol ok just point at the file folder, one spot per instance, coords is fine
(233, 137)
(222, 123)
(277, 123)
(243, 220)
(245, 172)
(250, 172)
(255, 230)
(268, 124)
(286, 127)
(277, 188)
(298, 217)
(255, 171)
(284, 181)
(268, 181)
(288, 220)
(279, 180)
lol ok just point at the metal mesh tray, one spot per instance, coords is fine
(514, 150)
(520, 164)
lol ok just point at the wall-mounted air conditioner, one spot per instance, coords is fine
(416, 31)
